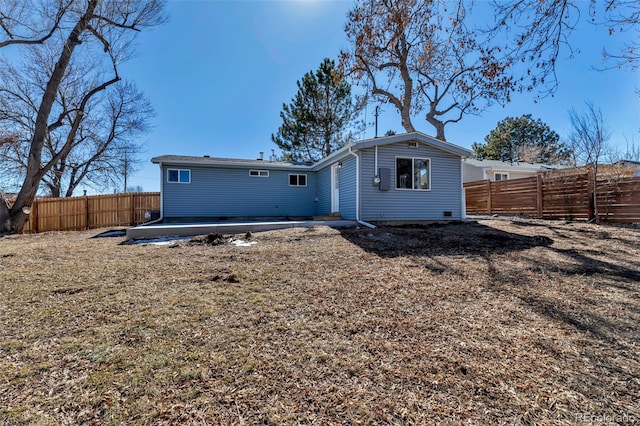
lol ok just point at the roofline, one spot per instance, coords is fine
(386, 140)
(418, 136)
(257, 164)
(331, 158)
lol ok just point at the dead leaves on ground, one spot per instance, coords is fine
(503, 321)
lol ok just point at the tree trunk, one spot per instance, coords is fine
(439, 125)
(4, 215)
(406, 121)
(16, 218)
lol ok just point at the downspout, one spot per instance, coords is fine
(161, 199)
(375, 162)
(358, 220)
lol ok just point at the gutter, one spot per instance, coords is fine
(358, 220)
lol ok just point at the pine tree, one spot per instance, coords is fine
(318, 119)
(522, 139)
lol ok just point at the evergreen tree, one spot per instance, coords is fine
(522, 139)
(318, 119)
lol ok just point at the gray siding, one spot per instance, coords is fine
(445, 193)
(348, 188)
(228, 192)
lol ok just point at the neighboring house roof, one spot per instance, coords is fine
(335, 156)
(629, 163)
(516, 166)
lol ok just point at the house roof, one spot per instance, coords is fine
(179, 160)
(185, 160)
(386, 140)
(506, 165)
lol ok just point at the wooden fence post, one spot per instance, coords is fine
(87, 214)
(489, 206)
(132, 220)
(33, 218)
(539, 199)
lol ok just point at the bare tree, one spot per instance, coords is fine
(109, 123)
(537, 31)
(30, 21)
(89, 29)
(632, 152)
(420, 56)
(589, 141)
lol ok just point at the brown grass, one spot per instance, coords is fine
(499, 322)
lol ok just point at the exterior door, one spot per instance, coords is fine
(335, 188)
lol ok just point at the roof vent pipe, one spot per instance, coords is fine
(261, 156)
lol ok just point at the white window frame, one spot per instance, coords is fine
(395, 176)
(297, 175)
(259, 173)
(179, 175)
(495, 174)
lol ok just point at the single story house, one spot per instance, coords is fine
(502, 170)
(408, 177)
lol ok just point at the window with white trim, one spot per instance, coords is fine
(259, 173)
(297, 179)
(178, 175)
(500, 176)
(413, 173)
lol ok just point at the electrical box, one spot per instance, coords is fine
(385, 179)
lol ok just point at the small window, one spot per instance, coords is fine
(179, 175)
(501, 176)
(413, 173)
(297, 180)
(259, 173)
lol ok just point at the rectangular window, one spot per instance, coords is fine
(297, 180)
(178, 175)
(259, 173)
(413, 173)
(501, 176)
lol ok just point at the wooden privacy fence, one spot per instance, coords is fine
(98, 211)
(558, 195)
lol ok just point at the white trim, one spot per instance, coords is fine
(395, 174)
(502, 174)
(258, 173)
(335, 191)
(179, 175)
(306, 179)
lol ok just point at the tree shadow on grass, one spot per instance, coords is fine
(435, 240)
(570, 295)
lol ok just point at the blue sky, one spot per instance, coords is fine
(219, 71)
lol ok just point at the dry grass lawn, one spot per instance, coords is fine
(505, 321)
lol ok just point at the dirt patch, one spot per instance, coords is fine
(497, 322)
(214, 239)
